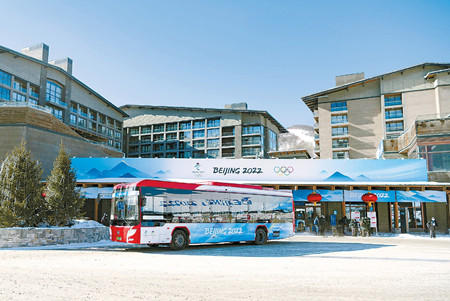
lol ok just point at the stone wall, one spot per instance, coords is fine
(33, 237)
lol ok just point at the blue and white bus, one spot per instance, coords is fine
(178, 214)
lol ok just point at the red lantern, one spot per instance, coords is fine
(314, 198)
(369, 198)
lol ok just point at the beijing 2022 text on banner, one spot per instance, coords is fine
(250, 170)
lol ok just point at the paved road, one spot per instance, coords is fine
(300, 268)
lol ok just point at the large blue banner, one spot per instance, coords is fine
(421, 196)
(327, 195)
(383, 196)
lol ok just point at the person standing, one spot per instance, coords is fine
(432, 226)
(322, 225)
(316, 225)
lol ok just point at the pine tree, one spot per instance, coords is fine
(21, 201)
(63, 198)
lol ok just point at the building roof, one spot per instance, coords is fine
(266, 114)
(19, 54)
(432, 74)
(311, 99)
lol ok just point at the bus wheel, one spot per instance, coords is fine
(261, 237)
(179, 240)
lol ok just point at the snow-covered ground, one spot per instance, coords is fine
(304, 267)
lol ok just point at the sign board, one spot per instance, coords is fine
(250, 170)
(327, 195)
(383, 196)
(421, 196)
(373, 219)
(355, 215)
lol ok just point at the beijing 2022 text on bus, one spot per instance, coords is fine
(157, 212)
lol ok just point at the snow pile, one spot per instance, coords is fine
(299, 137)
(80, 223)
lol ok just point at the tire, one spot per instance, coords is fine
(260, 237)
(179, 240)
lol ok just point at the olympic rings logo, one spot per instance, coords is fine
(283, 170)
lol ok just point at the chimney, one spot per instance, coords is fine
(348, 78)
(237, 106)
(65, 64)
(39, 51)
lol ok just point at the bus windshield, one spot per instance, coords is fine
(125, 206)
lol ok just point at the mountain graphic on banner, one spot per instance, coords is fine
(362, 178)
(121, 170)
(337, 176)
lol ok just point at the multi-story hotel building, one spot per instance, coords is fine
(42, 103)
(183, 132)
(353, 118)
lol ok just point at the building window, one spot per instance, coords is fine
(394, 126)
(437, 156)
(185, 125)
(158, 147)
(212, 153)
(199, 134)
(102, 129)
(5, 79)
(20, 85)
(110, 122)
(172, 127)
(82, 111)
(251, 151)
(110, 132)
(134, 131)
(56, 112)
(213, 122)
(54, 94)
(213, 133)
(213, 142)
(338, 106)
(5, 94)
(74, 107)
(102, 118)
(34, 91)
(158, 137)
(252, 140)
(145, 139)
(92, 126)
(252, 129)
(199, 124)
(73, 119)
(117, 145)
(117, 135)
(92, 115)
(185, 154)
(158, 128)
(340, 155)
(83, 123)
(185, 135)
(198, 154)
(134, 149)
(272, 141)
(228, 131)
(340, 143)
(19, 97)
(199, 144)
(146, 148)
(146, 129)
(396, 113)
(171, 136)
(33, 101)
(171, 146)
(339, 119)
(393, 100)
(185, 145)
(340, 131)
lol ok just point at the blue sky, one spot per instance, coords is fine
(210, 53)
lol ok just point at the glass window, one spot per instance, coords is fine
(83, 122)
(199, 143)
(213, 132)
(340, 155)
(185, 135)
(171, 146)
(82, 111)
(185, 154)
(185, 145)
(158, 137)
(117, 135)
(158, 147)
(252, 140)
(338, 106)
(34, 101)
(110, 132)
(185, 125)
(73, 119)
(252, 129)
(34, 91)
(56, 112)
(392, 100)
(439, 161)
(101, 129)
(54, 93)
(171, 136)
(396, 113)
(213, 142)
(272, 141)
(92, 115)
(146, 148)
(213, 122)
(20, 85)
(212, 153)
(19, 97)
(198, 124)
(198, 154)
(74, 107)
(5, 79)
(394, 126)
(172, 127)
(199, 134)
(110, 122)
(117, 145)
(102, 118)
(340, 143)
(340, 131)
(228, 131)
(134, 131)
(251, 151)
(339, 119)
(146, 129)
(158, 128)
(92, 126)
(5, 94)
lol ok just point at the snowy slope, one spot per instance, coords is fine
(299, 137)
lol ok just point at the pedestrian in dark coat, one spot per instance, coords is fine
(432, 226)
